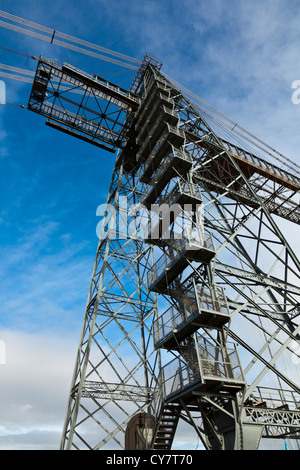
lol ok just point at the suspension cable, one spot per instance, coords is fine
(17, 69)
(236, 128)
(54, 32)
(17, 52)
(51, 39)
(19, 78)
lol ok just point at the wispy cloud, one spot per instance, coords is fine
(241, 58)
(40, 364)
(41, 288)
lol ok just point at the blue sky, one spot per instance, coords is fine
(239, 56)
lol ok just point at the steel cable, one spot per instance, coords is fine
(233, 127)
(51, 40)
(52, 32)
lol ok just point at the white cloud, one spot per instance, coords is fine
(52, 282)
(35, 384)
(242, 59)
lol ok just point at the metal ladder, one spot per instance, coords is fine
(166, 427)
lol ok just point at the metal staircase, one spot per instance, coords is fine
(170, 156)
(166, 427)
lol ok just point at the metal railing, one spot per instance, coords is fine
(168, 322)
(220, 362)
(167, 259)
(260, 162)
(205, 363)
(178, 248)
(158, 112)
(164, 165)
(192, 190)
(275, 398)
(191, 304)
(74, 120)
(177, 376)
(158, 268)
(278, 410)
(210, 298)
(167, 129)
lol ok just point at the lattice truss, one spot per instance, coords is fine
(193, 311)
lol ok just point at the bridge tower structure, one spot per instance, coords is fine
(193, 309)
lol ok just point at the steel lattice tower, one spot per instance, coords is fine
(194, 314)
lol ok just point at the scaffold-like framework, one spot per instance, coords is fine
(193, 308)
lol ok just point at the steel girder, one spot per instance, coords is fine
(118, 370)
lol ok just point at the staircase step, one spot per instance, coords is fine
(166, 429)
(169, 426)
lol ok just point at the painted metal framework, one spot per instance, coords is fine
(196, 322)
